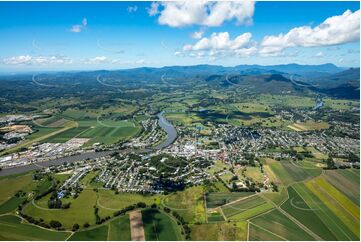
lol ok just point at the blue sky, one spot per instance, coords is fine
(38, 36)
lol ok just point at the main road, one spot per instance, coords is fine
(162, 121)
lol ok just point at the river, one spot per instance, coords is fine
(162, 122)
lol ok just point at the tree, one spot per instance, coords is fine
(330, 163)
(55, 224)
(76, 227)
(353, 158)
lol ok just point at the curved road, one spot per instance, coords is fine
(163, 123)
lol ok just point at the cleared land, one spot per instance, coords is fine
(136, 226)
(220, 231)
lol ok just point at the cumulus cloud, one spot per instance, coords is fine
(132, 9)
(333, 31)
(197, 34)
(36, 60)
(204, 13)
(219, 44)
(79, 27)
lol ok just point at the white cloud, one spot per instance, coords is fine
(153, 10)
(204, 13)
(197, 34)
(37, 60)
(132, 9)
(79, 27)
(96, 60)
(333, 31)
(129, 62)
(220, 44)
(221, 41)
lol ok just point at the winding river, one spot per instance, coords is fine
(162, 122)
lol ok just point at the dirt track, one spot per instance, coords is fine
(136, 226)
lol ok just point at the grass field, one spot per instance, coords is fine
(188, 203)
(12, 229)
(159, 226)
(216, 199)
(99, 131)
(81, 210)
(279, 224)
(10, 185)
(108, 202)
(220, 231)
(119, 229)
(254, 173)
(99, 233)
(11, 204)
(299, 209)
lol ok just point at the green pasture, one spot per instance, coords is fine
(159, 226)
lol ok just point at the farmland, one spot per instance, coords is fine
(285, 227)
(220, 198)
